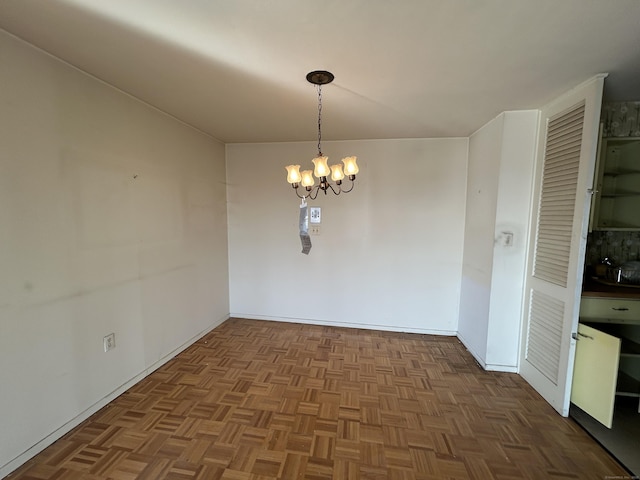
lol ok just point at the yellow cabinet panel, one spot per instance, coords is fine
(595, 373)
(610, 310)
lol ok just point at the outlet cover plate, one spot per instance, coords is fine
(109, 342)
(315, 214)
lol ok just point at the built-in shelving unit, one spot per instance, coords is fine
(627, 386)
(617, 186)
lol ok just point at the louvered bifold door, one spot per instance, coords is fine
(553, 241)
(563, 179)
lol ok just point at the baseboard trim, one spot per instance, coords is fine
(365, 326)
(31, 452)
(490, 367)
(501, 368)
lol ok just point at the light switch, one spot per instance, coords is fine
(506, 239)
(315, 214)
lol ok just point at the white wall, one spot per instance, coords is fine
(389, 253)
(519, 139)
(501, 157)
(113, 219)
(481, 201)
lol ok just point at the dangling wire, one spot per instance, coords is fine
(319, 119)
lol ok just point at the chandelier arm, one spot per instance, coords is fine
(353, 183)
(334, 190)
(300, 196)
(315, 190)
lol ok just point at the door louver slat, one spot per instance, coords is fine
(563, 144)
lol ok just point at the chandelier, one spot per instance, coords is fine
(322, 170)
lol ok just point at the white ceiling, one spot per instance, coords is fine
(236, 69)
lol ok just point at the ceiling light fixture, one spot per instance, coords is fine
(322, 169)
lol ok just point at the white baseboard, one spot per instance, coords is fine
(487, 366)
(366, 326)
(31, 452)
(501, 368)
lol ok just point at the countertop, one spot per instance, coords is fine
(600, 288)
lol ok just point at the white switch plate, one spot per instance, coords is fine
(315, 214)
(109, 342)
(506, 239)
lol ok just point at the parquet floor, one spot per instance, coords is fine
(256, 400)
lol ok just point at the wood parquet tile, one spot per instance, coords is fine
(256, 400)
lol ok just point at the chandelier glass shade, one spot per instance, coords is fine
(322, 170)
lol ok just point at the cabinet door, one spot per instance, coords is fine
(595, 373)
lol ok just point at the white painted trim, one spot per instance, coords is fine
(490, 367)
(31, 452)
(365, 326)
(501, 368)
(475, 355)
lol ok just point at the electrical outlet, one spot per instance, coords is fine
(109, 342)
(315, 214)
(314, 230)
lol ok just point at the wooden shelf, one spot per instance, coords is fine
(627, 386)
(615, 173)
(621, 193)
(608, 224)
(630, 348)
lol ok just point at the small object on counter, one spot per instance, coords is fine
(602, 269)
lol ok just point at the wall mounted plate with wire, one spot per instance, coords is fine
(315, 214)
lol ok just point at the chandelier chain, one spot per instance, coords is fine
(319, 120)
